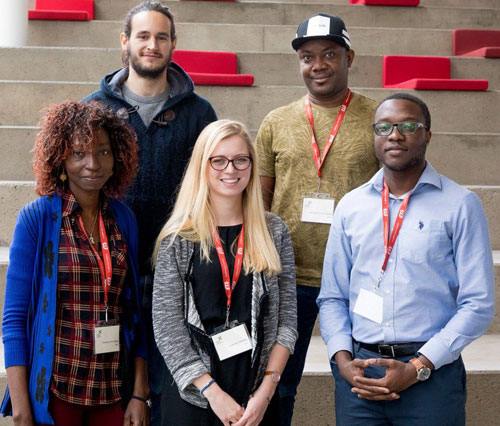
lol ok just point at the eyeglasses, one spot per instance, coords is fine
(406, 128)
(221, 163)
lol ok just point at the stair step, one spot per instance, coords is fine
(481, 4)
(251, 104)
(467, 158)
(477, 356)
(315, 403)
(293, 14)
(243, 37)
(269, 69)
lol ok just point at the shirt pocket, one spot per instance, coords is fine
(425, 242)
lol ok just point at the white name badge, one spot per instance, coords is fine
(232, 342)
(369, 305)
(106, 339)
(317, 210)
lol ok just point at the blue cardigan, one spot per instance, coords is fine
(31, 296)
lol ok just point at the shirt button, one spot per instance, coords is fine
(387, 324)
(391, 260)
(388, 292)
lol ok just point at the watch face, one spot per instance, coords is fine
(423, 374)
(275, 377)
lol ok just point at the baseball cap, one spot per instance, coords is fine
(322, 27)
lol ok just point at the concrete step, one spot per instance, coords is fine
(241, 37)
(251, 104)
(315, 401)
(493, 329)
(15, 194)
(270, 69)
(246, 37)
(481, 4)
(293, 14)
(466, 158)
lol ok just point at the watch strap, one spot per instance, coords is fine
(417, 363)
(146, 401)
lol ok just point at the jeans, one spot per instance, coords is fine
(438, 401)
(307, 311)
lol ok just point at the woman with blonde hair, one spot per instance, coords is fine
(224, 305)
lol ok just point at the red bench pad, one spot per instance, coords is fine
(477, 43)
(58, 15)
(386, 2)
(74, 10)
(212, 68)
(424, 73)
(441, 84)
(206, 79)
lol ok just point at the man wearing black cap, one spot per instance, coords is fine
(312, 152)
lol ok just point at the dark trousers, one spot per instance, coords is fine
(177, 412)
(439, 401)
(66, 414)
(307, 311)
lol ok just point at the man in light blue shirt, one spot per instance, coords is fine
(398, 304)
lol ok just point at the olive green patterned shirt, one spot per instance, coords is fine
(284, 150)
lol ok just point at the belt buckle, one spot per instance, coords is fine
(386, 354)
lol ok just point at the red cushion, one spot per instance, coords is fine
(206, 79)
(424, 73)
(212, 68)
(471, 43)
(59, 15)
(485, 52)
(440, 84)
(206, 62)
(74, 5)
(398, 68)
(386, 2)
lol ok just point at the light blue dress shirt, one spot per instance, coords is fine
(439, 284)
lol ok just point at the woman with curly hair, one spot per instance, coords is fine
(224, 304)
(72, 329)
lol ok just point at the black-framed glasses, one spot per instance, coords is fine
(406, 128)
(220, 163)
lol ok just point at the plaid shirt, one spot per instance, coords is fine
(80, 376)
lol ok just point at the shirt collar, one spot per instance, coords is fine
(428, 176)
(70, 204)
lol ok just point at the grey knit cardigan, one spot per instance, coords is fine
(184, 358)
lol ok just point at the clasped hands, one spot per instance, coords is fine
(398, 377)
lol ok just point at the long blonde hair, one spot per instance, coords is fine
(193, 218)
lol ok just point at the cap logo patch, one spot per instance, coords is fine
(318, 26)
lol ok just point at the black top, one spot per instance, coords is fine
(232, 374)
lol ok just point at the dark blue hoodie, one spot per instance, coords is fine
(164, 151)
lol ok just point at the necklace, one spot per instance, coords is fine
(91, 236)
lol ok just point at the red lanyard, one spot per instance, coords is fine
(389, 242)
(229, 286)
(105, 267)
(319, 160)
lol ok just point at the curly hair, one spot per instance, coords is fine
(69, 122)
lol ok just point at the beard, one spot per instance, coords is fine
(408, 165)
(147, 72)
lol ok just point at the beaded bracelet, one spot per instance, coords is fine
(204, 388)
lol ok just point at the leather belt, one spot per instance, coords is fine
(393, 350)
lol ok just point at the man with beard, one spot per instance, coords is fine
(156, 97)
(407, 283)
(302, 185)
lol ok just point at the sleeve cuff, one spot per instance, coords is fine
(287, 337)
(437, 353)
(185, 376)
(340, 342)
